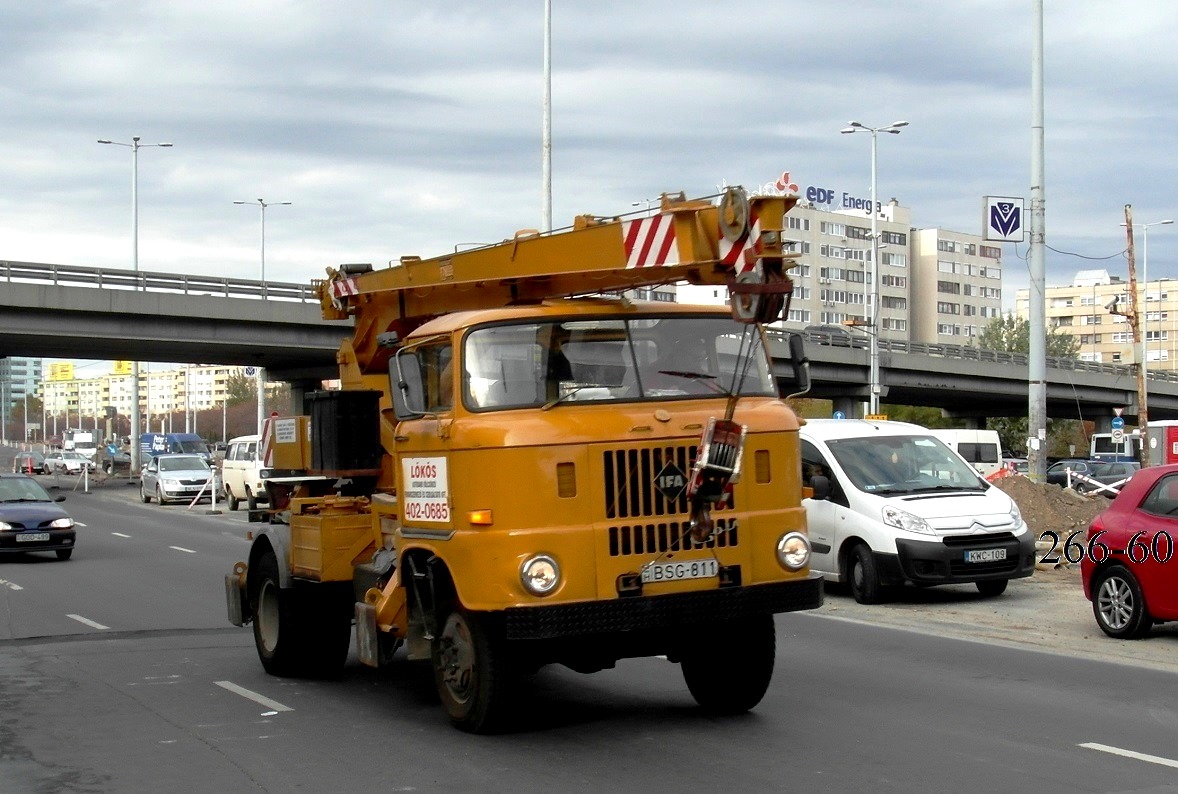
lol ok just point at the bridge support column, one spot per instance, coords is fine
(851, 408)
(1104, 424)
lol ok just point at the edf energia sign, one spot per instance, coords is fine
(1002, 221)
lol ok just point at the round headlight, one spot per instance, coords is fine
(540, 574)
(793, 551)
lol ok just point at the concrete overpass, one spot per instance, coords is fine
(62, 311)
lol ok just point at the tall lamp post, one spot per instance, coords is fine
(872, 274)
(261, 372)
(1145, 316)
(135, 146)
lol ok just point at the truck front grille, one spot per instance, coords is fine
(630, 488)
(646, 539)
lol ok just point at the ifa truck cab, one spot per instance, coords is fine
(519, 470)
(892, 504)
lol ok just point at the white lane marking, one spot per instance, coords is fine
(88, 622)
(181, 548)
(10, 585)
(120, 535)
(79, 524)
(1153, 759)
(273, 705)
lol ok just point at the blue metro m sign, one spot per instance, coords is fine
(1002, 219)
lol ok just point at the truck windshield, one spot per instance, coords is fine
(539, 364)
(889, 465)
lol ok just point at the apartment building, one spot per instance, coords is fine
(934, 285)
(1080, 309)
(195, 387)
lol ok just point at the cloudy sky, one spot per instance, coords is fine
(410, 127)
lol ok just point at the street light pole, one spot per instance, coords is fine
(1145, 314)
(135, 146)
(260, 382)
(872, 274)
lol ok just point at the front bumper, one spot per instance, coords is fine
(943, 561)
(662, 612)
(58, 539)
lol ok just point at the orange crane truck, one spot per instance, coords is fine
(524, 467)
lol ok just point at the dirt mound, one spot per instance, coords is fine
(1052, 507)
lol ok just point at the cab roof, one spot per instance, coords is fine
(612, 308)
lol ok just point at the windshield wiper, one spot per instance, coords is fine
(22, 499)
(928, 488)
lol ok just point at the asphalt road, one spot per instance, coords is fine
(119, 673)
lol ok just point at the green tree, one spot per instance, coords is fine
(1013, 335)
(240, 388)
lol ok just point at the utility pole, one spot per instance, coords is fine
(1138, 341)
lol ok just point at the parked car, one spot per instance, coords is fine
(1129, 576)
(1017, 465)
(1106, 473)
(31, 520)
(893, 504)
(176, 476)
(242, 473)
(68, 462)
(115, 461)
(1057, 473)
(29, 463)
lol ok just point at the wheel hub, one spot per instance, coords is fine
(456, 658)
(1116, 603)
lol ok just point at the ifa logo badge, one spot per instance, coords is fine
(1003, 219)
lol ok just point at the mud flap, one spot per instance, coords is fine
(367, 636)
(236, 599)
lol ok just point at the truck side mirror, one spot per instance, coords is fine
(799, 364)
(406, 385)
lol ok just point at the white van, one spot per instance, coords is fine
(981, 449)
(893, 504)
(242, 473)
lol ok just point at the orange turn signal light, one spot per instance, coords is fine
(480, 518)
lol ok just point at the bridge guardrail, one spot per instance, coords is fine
(942, 350)
(152, 281)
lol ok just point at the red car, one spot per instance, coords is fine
(1128, 563)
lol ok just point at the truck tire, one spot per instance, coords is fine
(296, 634)
(730, 670)
(471, 671)
(862, 576)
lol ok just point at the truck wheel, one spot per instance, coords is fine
(234, 502)
(471, 672)
(296, 634)
(991, 587)
(1119, 605)
(863, 577)
(730, 671)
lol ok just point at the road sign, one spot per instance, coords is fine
(1118, 423)
(1118, 435)
(839, 415)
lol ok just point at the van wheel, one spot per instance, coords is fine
(991, 587)
(863, 577)
(251, 501)
(233, 500)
